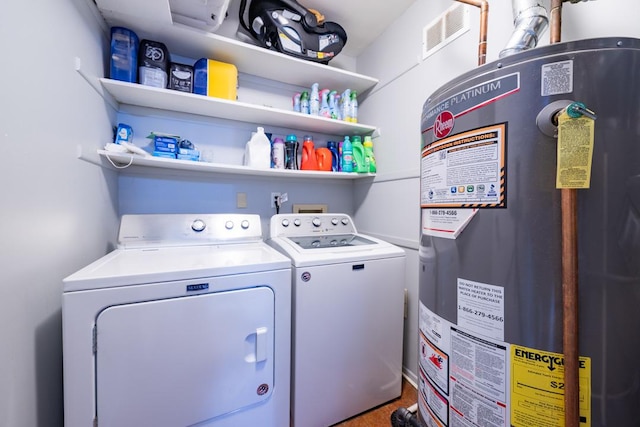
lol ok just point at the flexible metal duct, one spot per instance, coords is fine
(530, 20)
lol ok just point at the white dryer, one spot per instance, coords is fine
(348, 314)
(187, 322)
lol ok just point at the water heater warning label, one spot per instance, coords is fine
(557, 78)
(466, 170)
(537, 388)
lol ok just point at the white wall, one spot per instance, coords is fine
(389, 207)
(57, 212)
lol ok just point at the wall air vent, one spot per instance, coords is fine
(447, 27)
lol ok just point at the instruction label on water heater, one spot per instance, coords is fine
(466, 170)
(446, 223)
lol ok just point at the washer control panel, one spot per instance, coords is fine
(187, 229)
(290, 225)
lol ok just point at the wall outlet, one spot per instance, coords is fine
(273, 199)
(241, 200)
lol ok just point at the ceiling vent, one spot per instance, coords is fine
(447, 27)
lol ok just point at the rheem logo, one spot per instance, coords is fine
(443, 124)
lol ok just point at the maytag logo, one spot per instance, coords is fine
(198, 287)
(443, 124)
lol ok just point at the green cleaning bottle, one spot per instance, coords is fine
(358, 155)
(368, 154)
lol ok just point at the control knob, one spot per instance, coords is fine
(198, 225)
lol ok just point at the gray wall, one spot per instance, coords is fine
(388, 208)
(58, 212)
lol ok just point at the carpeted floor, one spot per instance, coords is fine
(381, 416)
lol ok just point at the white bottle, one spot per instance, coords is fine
(314, 100)
(257, 153)
(345, 105)
(277, 153)
(353, 107)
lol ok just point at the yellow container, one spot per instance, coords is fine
(215, 78)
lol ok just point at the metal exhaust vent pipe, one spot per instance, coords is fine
(530, 20)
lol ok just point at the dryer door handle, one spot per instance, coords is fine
(261, 344)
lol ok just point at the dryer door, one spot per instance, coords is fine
(180, 361)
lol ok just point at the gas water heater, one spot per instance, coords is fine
(491, 303)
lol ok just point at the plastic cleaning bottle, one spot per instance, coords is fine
(296, 102)
(291, 152)
(369, 158)
(345, 105)
(347, 155)
(325, 111)
(353, 107)
(358, 155)
(278, 154)
(333, 106)
(314, 100)
(325, 159)
(257, 152)
(304, 102)
(309, 161)
(335, 156)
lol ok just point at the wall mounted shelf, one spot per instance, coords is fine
(172, 100)
(151, 19)
(124, 161)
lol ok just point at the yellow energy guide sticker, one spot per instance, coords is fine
(575, 151)
(537, 388)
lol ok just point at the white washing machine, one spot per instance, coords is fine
(187, 322)
(347, 321)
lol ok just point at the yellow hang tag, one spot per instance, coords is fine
(575, 150)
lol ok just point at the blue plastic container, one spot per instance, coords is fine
(124, 55)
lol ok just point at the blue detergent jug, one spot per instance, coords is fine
(335, 157)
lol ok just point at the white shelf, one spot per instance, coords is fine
(151, 19)
(136, 161)
(172, 100)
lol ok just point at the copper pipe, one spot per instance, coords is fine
(556, 20)
(569, 206)
(484, 25)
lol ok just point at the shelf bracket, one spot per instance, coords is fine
(93, 82)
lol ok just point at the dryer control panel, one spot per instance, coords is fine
(292, 225)
(158, 230)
